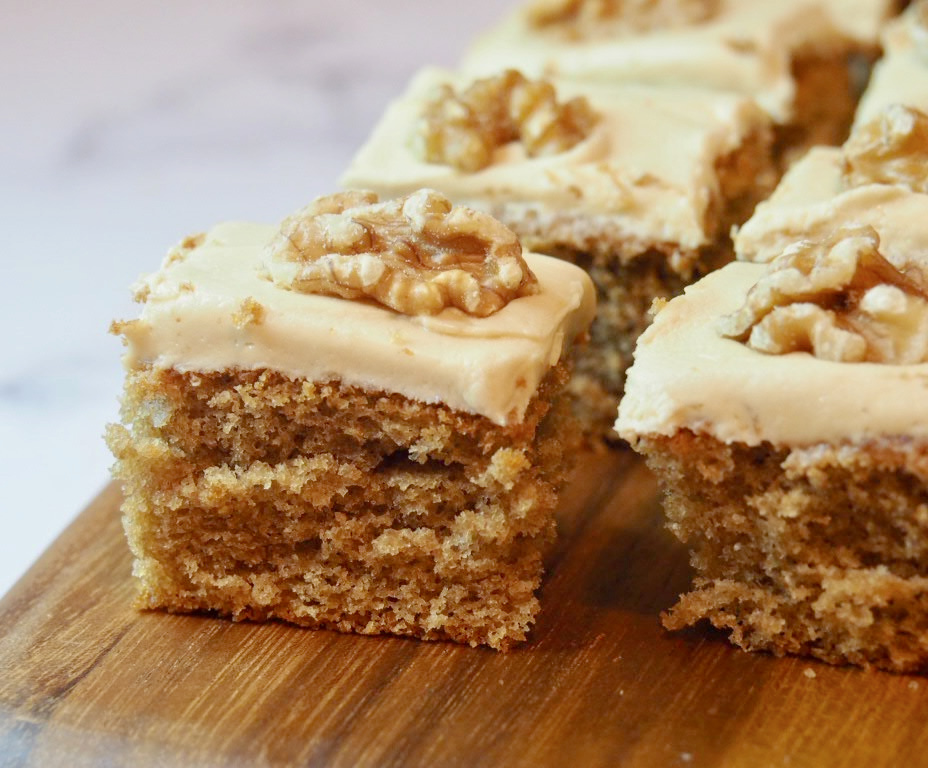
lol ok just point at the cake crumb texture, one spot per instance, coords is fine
(818, 551)
(256, 496)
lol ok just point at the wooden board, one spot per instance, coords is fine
(87, 681)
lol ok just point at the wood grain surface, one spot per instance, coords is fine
(87, 681)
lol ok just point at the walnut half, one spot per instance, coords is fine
(892, 148)
(416, 255)
(839, 299)
(463, 129)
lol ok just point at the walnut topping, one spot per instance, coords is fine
(416, 254)
(892, 148)
(584, 18)
(463, 129)
(840, 300)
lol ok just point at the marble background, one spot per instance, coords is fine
(127, 125)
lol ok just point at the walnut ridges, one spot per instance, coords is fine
(839, 299)
(463, 129)
(892, 148)
(416, 255)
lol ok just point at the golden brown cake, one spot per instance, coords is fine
(782, 403)
(799, 479)
(354, 421)
(794, 56)
(637, 185)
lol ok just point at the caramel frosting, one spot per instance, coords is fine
(908, 33)
(212, 307)
(686, 375)
(863, 20)
(645, 169)
(813, 200)
(901, 76)
(745, 46)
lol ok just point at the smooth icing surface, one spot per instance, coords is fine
(746, 48)
(647, 168)
(490, 366)
(812, 201)
(687, 376)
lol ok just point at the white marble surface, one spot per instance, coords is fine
(126, 125)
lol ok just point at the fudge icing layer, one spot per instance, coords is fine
(686, 376)
(648, 163)
(488, 366)
(747, 48)
(812, 201)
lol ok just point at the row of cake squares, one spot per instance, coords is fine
(791, 57)
(357, 419)
(627, 138)
(783, 400)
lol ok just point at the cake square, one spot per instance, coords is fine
(800, 484)
(638, 185)
(799, 59)
(781, 402)
(877, 178)
(306, 436)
